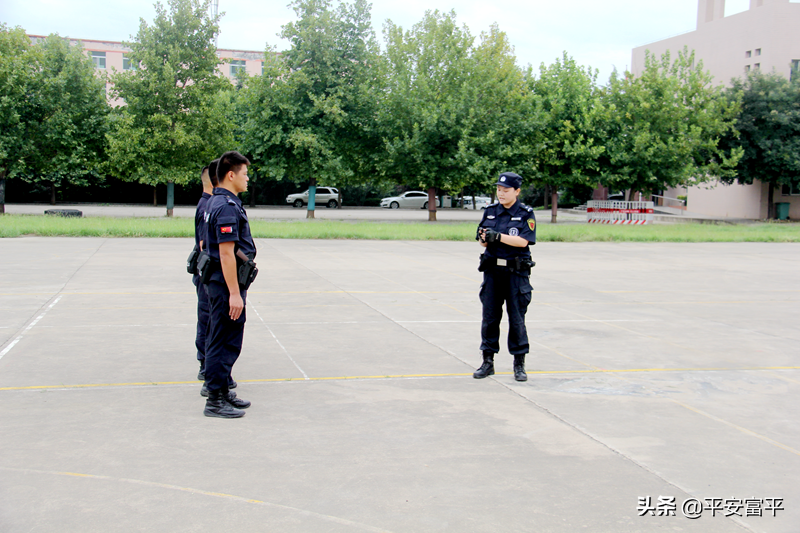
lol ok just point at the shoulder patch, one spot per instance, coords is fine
(532, 224)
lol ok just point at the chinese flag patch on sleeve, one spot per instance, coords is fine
(226, 229)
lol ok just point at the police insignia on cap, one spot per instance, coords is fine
(532, 224)
(502, 178)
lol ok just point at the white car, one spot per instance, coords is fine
(416, 199)
(480, 202)
(327, 196)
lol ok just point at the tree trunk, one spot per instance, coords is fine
(155, 197)
(52, 193)
(771, 202)
(170, 198)
(2, 192)
(312, 198)
(252, 190)
(554, 211)
(546, 195)
(432, 204)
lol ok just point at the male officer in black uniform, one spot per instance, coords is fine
(202, 297)
(228, 239)
(507, 229)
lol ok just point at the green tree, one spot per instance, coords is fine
(174, 119)
(767, 131)
(569, 142)
(53, 112)
(422, 115)
(310, 116)
(18, 63)
(663, 128)
(69, 120)
(502, 122)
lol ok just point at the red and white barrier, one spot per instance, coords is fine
(617, 212)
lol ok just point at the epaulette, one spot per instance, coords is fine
(494, 204)
(230, 201)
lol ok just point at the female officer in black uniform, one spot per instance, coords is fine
(507, 229)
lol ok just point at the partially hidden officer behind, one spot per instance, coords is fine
(199, 246)
(507, 229)
(231, 251)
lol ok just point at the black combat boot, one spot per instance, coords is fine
(204, 391)
(236, 402)
(519, 368)
(487, 368)
(218, 406)
(201, 374)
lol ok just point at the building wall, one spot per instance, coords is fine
(115, 52)
(768, 32)
(720, 200)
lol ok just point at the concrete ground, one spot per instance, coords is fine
(657, 371)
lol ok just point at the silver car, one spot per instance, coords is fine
(327, 196)
(416, 199)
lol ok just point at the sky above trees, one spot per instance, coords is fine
(594, 32)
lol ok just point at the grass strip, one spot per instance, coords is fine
(51, 226)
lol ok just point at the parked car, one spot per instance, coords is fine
(327, 196)
(416, 199)
(480, 202)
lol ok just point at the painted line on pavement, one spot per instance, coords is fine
(404, 376)
(27, 329)
(285, 351)
(241, 499)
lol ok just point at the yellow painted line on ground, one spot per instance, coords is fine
(738, 427)
(329, 518)
(407, 376)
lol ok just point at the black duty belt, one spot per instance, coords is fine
(515, 264)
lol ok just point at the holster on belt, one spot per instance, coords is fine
(191, 261)
(206, 265)
(247, 270)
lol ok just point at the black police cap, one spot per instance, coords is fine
(509, 179)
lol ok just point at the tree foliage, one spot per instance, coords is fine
(174, 118)
(662, 129)
(18, 63)
(311, 113)
(768, 129)
(422, 115)
(569, 142)
(53, 111)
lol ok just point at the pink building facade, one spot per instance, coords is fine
(109, 56)
(762, 38)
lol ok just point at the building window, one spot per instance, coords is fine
(792, 189)
(237, 66)
(795, 67)
(747, 54)
(756, 66)
(126, 63)
(99, 59)
(747, 68)
(758, 51)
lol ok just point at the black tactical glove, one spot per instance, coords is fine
(492, 236)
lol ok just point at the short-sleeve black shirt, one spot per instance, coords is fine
(226, 221)
(518, 220)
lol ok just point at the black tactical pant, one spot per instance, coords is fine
(202, 319)
(500, 286)
(224, 337)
